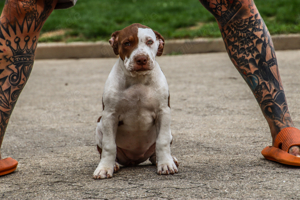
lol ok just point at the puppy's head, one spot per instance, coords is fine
(137, 46)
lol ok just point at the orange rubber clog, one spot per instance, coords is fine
(7, 165)
(285, 139)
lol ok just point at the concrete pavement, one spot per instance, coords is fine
(217, 126)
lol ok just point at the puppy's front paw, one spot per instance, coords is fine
(167, 167)
(102, 172)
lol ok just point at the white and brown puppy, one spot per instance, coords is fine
(135, 123)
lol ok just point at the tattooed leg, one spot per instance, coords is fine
(20, 25)
(251, 50)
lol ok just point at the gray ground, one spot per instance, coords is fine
(218, 128)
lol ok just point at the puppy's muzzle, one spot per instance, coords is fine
(141, 63)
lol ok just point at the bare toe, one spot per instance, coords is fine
(295, 150)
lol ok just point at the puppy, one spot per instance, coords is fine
(135, 123)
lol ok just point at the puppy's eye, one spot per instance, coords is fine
(127, 44)
(149, 42)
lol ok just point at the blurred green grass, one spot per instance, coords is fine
(92, 20)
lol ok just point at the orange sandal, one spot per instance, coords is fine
(7, 165)
(285, 139)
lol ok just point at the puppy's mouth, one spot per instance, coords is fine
(140, 72)
(141, 68)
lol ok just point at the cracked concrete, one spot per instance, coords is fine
(217, 125)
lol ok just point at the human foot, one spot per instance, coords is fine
(295, 150)
(285, 149)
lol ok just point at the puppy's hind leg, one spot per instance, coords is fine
(99, 137)
(153, 159)
(99, 173)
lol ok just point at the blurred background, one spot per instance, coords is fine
(94, 20)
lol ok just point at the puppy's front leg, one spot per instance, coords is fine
(165, 162)
(108, 127)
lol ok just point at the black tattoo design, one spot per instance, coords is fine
(250, 48)
(251, 4)
(17, 53)
(32, 16)
(22, 60)
(223, 10)
(20, 65)
(44, 14)
(29, 7)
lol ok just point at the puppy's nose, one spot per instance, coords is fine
(141, 60)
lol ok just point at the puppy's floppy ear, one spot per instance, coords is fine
(113, 41)
(161, 43)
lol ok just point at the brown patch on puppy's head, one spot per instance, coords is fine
(126, 40)
(113, 41)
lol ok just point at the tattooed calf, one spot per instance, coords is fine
(250, 48)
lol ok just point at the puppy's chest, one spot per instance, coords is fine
(139, 98)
